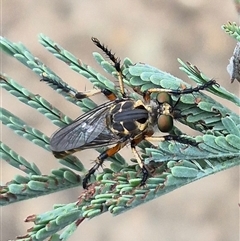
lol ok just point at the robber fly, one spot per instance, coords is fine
(120, 121)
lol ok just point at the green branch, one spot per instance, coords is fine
(115, 189)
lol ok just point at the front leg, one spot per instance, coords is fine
(145, 173)
(180, 139)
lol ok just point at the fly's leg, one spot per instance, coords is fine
(109, 94)
(116, 61)
(148, 136)
(179, 139)
(58, 83)
(146, 94)
(145, 173)
(100, 159)
(117, 65)
(79, 95)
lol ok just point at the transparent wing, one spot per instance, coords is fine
(87, 131)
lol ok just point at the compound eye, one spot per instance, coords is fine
(165, 123)
(164, 97)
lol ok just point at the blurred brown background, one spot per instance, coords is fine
(153, 32)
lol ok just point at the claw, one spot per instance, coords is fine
(145, 176)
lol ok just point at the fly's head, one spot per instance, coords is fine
(167, 112)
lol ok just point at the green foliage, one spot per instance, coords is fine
(116, 189)
(232, 29)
